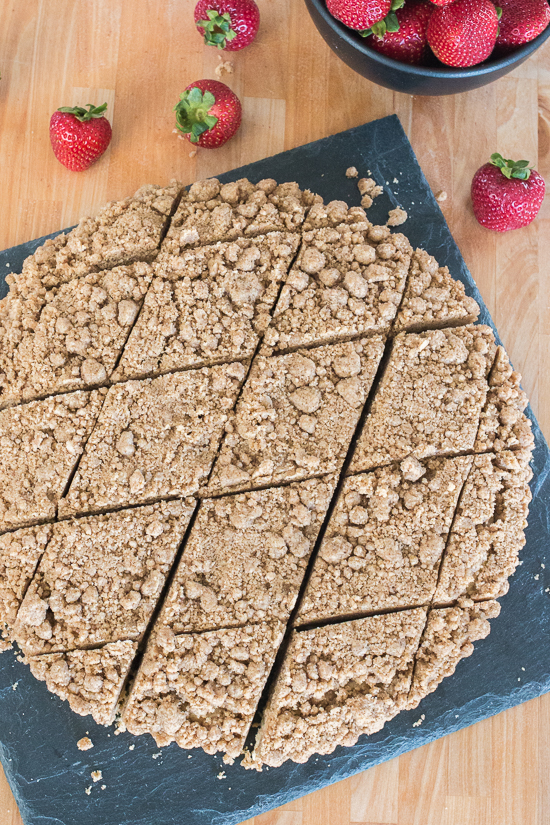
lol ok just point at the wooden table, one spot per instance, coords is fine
(138, 55)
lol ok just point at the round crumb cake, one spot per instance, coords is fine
(259, 463)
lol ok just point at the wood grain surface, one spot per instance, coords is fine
(138, 55)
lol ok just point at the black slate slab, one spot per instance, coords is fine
(142, 785)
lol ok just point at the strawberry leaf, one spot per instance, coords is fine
(498, 11)
(193, 115)
(518, 169)
(390, 23)
(82, 114)
(217, 29)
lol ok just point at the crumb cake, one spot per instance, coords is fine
(208, 305)
(100, 578)
(262, 476)
(246, 557)
(296, 415)
(154, 439)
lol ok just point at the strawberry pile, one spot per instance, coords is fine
(458, 33)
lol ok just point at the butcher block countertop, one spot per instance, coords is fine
(138, 55)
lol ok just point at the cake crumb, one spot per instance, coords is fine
(131, 747)
(229, 760)
(441, 196)
(84, 744)
(368, 186)
(14, 686)
(351, 172)
(419, 721)
(395, 180)
(396, 217)
(193, 153)
(224, 67)
(103, 787)
(536, 577)
(156, 755)
(221, 775)
(88, 790)
(96, 775)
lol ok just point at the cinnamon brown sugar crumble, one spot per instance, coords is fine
(202, 690)
(488, 530)
(208, 305)
(246, 556)
(90, 680)
(448, 638)
(154, 439)
(433, 298)
(296, 415)
(385, 539)
(430, 398)
(100, 578)
(20, 553)
(40, 444)
(344, 283)
(336, 683)
(211, 212)
(78, 336)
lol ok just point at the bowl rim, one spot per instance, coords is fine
(480, 69)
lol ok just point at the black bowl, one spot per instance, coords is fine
(401, 77)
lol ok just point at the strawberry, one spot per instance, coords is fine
(506, 194)
(521, 21)
(359, 14)
(463, 33)
(79, 136)
(442, 2)
(404, 38)
(227, 24)
(208, 113)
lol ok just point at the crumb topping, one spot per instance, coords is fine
(383, 545)
(296, 415)
(41, 443)
(208, 305)
(246, 557)
(336, 683)
(202, 690)
(343, 283)
(430, 397)
(20, 553)
(433, 298)
(100, 578)
(154, 438)
(89, 680)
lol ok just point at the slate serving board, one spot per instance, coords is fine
(142, 785)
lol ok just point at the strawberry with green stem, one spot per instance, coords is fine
(402, 33)
(227, 24)
(79, 135)
(359, 14)
(506, 194)
(208, 113)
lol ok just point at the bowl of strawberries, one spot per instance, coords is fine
(432, 47)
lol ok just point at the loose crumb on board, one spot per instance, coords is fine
(351, 172)
(96, 775)
(221, 775)
(396, 217)
(419, 721)
(84, 744)
(88, 790)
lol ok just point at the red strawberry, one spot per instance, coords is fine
(442, 2)
(359, 14)
(227, 24)
(79, 136)
(208, 113)
(506, 194)
(522, 21)
(405, 38)
(463, 33)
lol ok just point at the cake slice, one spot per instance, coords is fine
(337, 683)
(122, 232)
(385, 539)
(78, 336)
(208, 305)
(100, 578)
(246, 556)
(40, 445)
(201, 690)
(430, 397)
(89, 680)
(210, 211)
(488, 530)
(503, 424)
(343, 284)
(296, 415)
(448, 638)
(433, 298)
(154, 439)
(20, 553)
